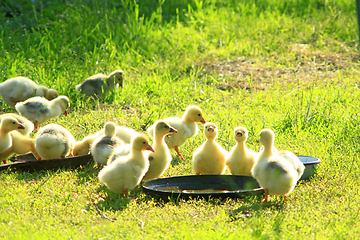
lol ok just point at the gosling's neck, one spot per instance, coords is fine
(210, 140)
(159, 140)
(267, 150)
(110, 81)
(241, 147)
(4, 133)
(55, 106)
(138, 156)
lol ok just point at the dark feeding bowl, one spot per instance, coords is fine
(203, 186)
(214, 186)
(310, 166)
(28, 162)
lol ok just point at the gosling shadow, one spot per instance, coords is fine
(87, 173)
(35, 180)
(109, 200)
(103, 200)
(254, 209)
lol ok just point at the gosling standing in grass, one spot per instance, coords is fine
(161, 157)
(8, 124)
(21, 144)
(123, 133)
(29, 126)
(39, 110)
(54, 141)
(18, 89)
(291, 158)
(275, 174)
(186, 128)
(241, 160)
(99, 84)
(126, 172)
(294, 160)
(209, 158)
(104, 145)
(83, 147)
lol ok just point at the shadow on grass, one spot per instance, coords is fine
(114, 201)
(111, 201)
(32, 176)
(84, 104)
(25, 13)
(250, 208)
(87, 173)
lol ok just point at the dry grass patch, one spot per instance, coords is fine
(246, 73)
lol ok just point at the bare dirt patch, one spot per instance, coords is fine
(258, 74)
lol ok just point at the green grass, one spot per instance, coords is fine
(292, 66)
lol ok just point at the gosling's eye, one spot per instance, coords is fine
(199, 115)
(14, 123)
(144, 142)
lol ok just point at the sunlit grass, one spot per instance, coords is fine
(303, 83)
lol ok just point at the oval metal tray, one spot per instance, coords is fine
(214, 186)
(28, 162)
(310, 166)
(203, 186)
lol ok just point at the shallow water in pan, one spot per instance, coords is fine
(207, 190)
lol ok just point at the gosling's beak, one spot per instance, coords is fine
(203, 120)
(239, 134)
(149, 148)
(173, 130)
(65, 113)
(21, 126)
(211, 129)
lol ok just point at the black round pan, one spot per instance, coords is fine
(28, 162)
(203, 186)
(214, 186)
